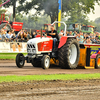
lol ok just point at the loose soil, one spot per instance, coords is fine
(51, 90)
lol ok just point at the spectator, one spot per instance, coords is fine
(29, 35)
(70, 33)
(74, 33)
(9, 35)
(93, 40)
(66, 33)
(88, 41)
(25, 37)
(13, 37)
(34, 34)
(61, 33)
(81, 37)
(3, 35)
(20, 37)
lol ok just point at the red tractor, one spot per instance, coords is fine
(40, 51)
(7, 25)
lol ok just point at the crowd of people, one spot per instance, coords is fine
(89, 38)
(24, 36)
(10, 36)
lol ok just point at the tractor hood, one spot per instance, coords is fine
(38, 40)
(39, 45)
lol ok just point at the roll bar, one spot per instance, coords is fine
(62, 23)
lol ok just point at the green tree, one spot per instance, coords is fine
(2, 10)
(30, 23)
(51, 6)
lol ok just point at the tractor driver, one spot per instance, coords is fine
(54, 35)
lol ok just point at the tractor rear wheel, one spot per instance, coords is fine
(97, 62)
(6, 26)
(45, 62)
(69, 54)
(20, 60)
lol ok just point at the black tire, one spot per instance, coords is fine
(97, 62)
(65, 56)
(45, 63)
(6, 26)
(20, 60)
(36, 62)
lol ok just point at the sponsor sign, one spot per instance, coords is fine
(95, 48)
(11, 47)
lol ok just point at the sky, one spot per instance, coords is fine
(91, 15)
(96, 13)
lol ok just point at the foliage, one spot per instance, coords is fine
(2, 10)
(51, 6)
(97, 22)
(30, 22)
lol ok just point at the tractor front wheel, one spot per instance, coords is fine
(45, 62)
(20, 60)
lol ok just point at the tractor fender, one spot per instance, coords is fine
(62, 41)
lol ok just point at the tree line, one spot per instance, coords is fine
(75, 10)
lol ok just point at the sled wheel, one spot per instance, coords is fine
(97, 62)
(45, 62)
(20, 60)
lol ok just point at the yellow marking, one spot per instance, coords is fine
(86, 67)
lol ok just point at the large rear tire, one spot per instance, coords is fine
(69, 54)
(97, 62)
(6, 26)
(20, 60)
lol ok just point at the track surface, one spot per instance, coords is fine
(8, 67)
(51, 90)
(47, 90)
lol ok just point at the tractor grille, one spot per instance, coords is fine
(31, 49)
(29, 46)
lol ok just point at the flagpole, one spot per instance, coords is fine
(59, 14)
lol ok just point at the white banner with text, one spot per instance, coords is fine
(13, 47)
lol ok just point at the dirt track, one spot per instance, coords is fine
(9, 68)
(47, 90)
(51, 90)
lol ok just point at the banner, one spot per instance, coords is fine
(10, 47)
(95, 48)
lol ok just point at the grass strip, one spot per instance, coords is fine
(9, 56)
(49, 77)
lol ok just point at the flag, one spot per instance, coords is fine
(59, 12)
